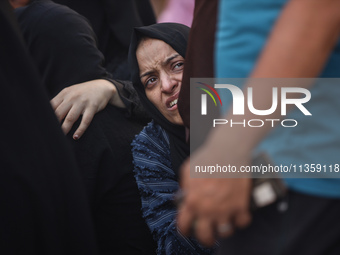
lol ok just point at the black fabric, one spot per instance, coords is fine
(43, 206)
(113, 22)
(307, 227)
(45, 35)
(63, 46)
(44, 21)
(105, 160)
(176, 35)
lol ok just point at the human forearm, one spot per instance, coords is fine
(299, 46)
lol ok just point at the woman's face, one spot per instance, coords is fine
(161, 70)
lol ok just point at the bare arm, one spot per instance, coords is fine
(299, 46)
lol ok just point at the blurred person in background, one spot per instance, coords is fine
(44, 209)
(287, 39)
(113, 22)
(178, 11)
(63, 46)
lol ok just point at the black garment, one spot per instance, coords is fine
(113, 22)
(176, 35)
(63, 46)
(43, 206)
(60, 40)
(104, 158)
(307, 227)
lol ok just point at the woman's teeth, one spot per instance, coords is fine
(173, 102)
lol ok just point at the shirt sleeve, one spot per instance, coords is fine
(134, 108)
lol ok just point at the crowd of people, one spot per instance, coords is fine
(96, 127)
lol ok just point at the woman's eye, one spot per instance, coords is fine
(150, 81)
(179, 65)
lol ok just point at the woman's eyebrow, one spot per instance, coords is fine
(165, 62)
(145, 74)
(168, 59)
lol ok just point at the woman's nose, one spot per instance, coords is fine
(169, 84)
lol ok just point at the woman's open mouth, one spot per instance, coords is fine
(174, 102)
(171, 102)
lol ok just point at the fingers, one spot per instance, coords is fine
(185, 220)
(224, 229)
(204, 230)
(242, 219)
(203, 227)
(185, 216)
(60, 106)
(70, 119)
(61, 110)
(57, 100)
(194, 220)
(200, 227)
(85, 123)
(71, 113)
(84, 99)
(224, 226)
(216, 206)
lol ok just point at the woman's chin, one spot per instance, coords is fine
(177, 120)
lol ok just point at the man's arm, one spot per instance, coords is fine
(299, 46)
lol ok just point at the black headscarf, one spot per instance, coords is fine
(176, 35)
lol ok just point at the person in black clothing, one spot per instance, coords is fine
(43, 204)
(113, 22)
(63, 46)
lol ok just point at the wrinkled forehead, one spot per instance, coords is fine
(143, 40)
(150, 50)
(146, 41)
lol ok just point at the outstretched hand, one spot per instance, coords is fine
(84, 99)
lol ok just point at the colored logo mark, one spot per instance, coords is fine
(209, 93)
(204, 97)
